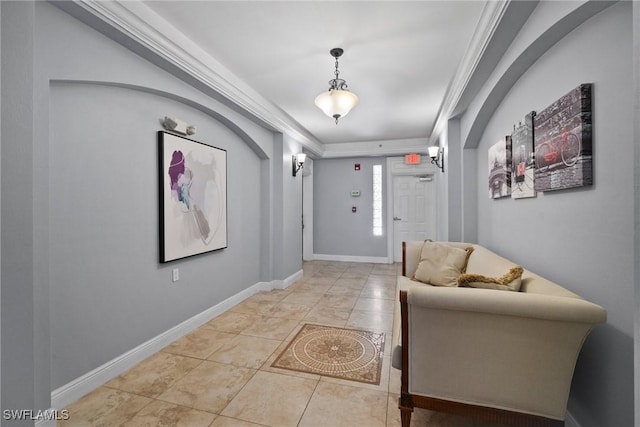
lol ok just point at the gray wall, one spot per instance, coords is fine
(1, 203)
(292, 214)
(81, 282)
(636, 234)
(580, 238)
(105, 278)
(287, 218)
(336, 230)
(17, 275)
(108, 292)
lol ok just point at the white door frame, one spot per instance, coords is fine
(395, 167)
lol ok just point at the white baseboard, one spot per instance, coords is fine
(292, 279)
(350, 258)
(74, 390)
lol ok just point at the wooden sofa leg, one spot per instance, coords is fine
(406, 409)
(405, 416)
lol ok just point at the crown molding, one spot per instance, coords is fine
(492, 13)
(382, 148)
(139, 23)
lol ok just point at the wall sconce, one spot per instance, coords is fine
(437, 156)
(297, 161)
(178, 126)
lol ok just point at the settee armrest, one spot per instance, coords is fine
(506, 350)
(506, 303)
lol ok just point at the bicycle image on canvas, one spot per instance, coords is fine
(563, 142)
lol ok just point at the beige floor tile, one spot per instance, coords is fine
(332, 271)
(335, 405)
(104, 407)
(439, 419)
(395, 380)
(275, 328)
(155, 375)
(254, 305)
(356, 275)
(393, 412)
(272, 399)
(221, 421)
(385, 269)
(310, 287)
(200, 343)
(303, 297)
(378, 279)
(159, 413)
(342, 291)
(341, 302)
(209, 387)
(350, 283)
(246, 351)
(374, 290)
(273, 295)
(370, 320)
(363, 268)
(290, 310)
(321, 278)
(375, 304)
(233, 322)
(324, 315)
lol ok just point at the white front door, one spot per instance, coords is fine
(413, 211)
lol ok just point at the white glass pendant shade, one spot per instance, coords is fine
(336, 103)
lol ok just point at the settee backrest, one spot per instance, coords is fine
(487, 263)
(411, 254)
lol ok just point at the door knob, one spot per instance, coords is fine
(395, 218)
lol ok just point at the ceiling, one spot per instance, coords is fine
(400, 57)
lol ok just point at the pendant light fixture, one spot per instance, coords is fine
(337, 101)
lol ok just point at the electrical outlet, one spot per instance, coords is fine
(175, 274)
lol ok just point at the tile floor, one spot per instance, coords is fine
(220, 375)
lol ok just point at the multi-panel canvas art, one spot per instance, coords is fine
(522, 165)
(193, 197)
(563, 141)
(499, 157)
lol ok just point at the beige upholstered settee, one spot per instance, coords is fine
(494, 355)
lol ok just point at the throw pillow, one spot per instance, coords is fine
(441, 264)
(509, 282)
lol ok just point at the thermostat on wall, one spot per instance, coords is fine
(355, 193)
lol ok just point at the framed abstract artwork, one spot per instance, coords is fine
(499, 157)
(522, 165)
(193, 197)
(563, 142)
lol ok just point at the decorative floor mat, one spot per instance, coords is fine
(348, 354)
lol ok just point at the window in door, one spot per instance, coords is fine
(377, 200)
